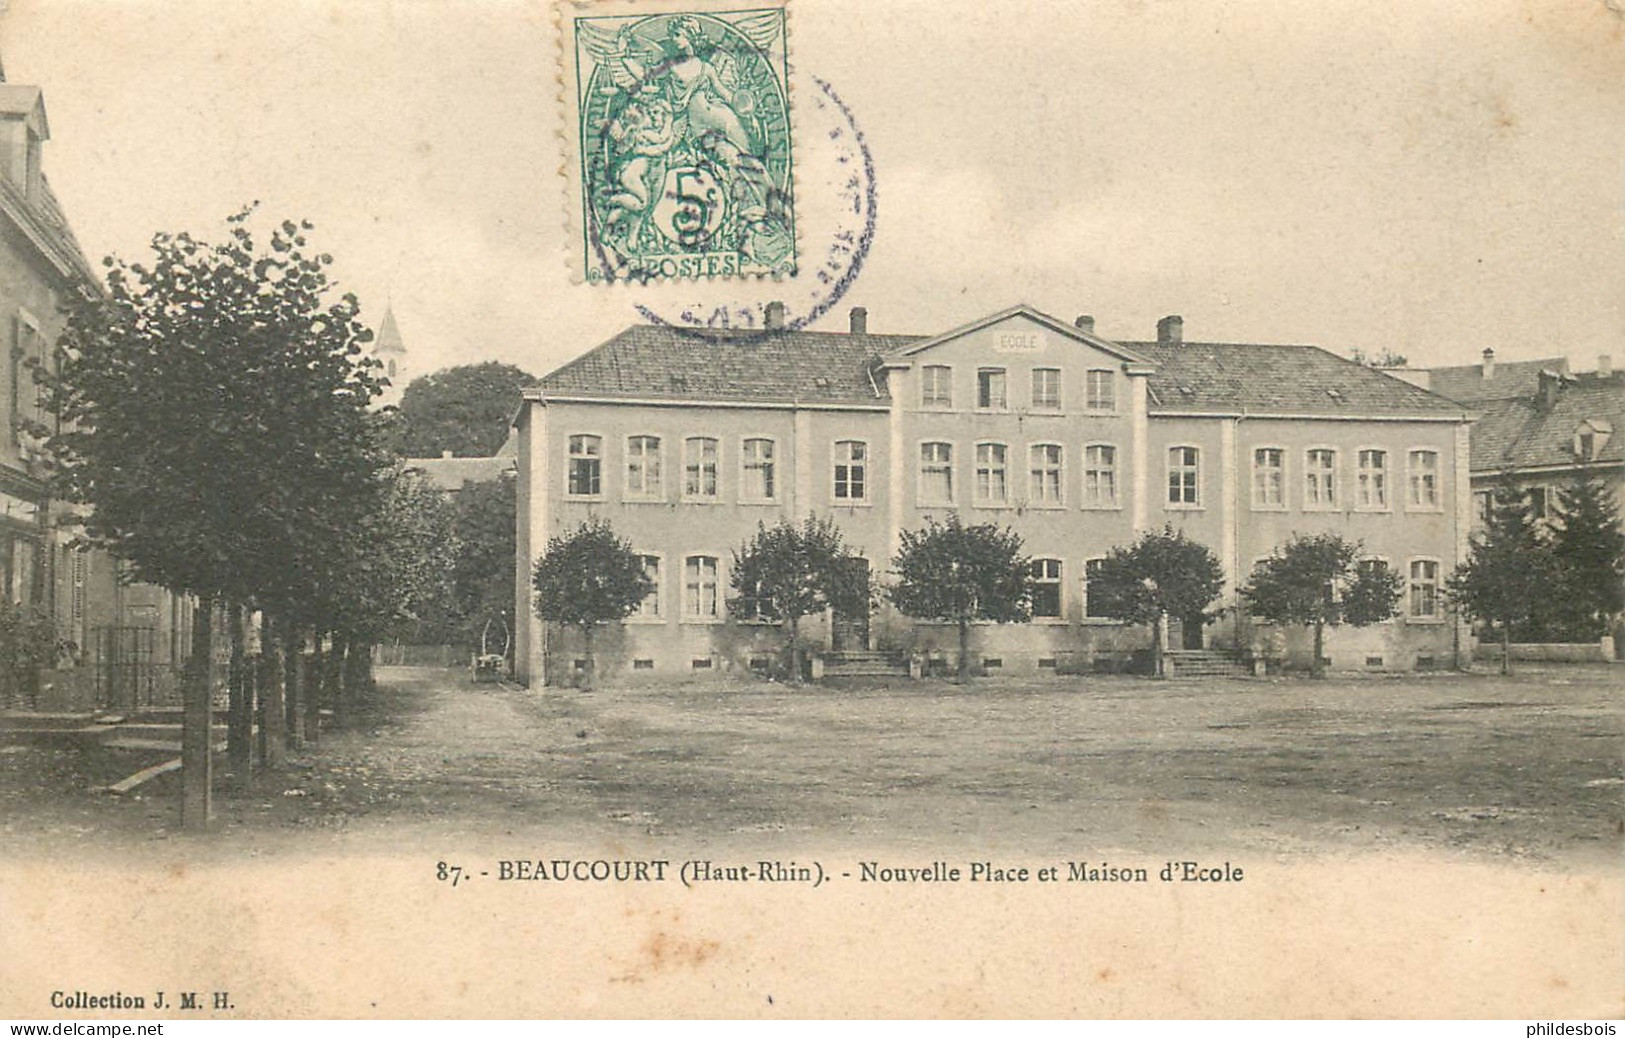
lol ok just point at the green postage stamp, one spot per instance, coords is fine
(678, 138)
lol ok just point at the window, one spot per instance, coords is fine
(652, 606)
(700, 587)
(1046, 589)
(936, 386)
(758, 484)
(1372, 479)
(1424, 479)
(1093, 605)
(1537, 502)
(1483, 503)
(1320, 478)
(1100, 391)
(937, 473)
(1424, 589)
(990, 395)
(700, 467)
(851, 470)
(644, 481)
(1045, 474)
(1269, 477)
(992, 483)
(1184, 476)
(1046, 389)
(586, 466)
(1099, 476)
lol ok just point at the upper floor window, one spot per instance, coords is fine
(1424, 589)
(1100, 390)
(652, 607)
(585, 466)
(1539, 504)
(1371, 480)
(1424, 470)
(1046, 389)
(1591, 438)
(937, 473)
(1044, 474)
(758, 473)
(990, 390)
(700, 467)
(1099, 476)
(700, 587)
(644, 480)
(1184, 476)
(1483, 505)
(1320, 478)
(992, 474)
(1046, 589)
(937, 386)
(851, 470)
(1269, 477)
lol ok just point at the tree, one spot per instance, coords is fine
(1588, 544)
(961, 574)
(1510, 569)
(786, 572)
(1386, 359)
(483, 574)
(1319, 580)
(465, 410)
(589, 578)
(213, 415)
(1160, 575)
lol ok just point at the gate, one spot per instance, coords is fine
(127, 669)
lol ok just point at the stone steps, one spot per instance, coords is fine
(864, 664)
(1206, 663)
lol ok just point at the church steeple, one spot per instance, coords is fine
(390, 351)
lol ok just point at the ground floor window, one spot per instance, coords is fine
(1046, 589)
(1424, 589)
(700, 586)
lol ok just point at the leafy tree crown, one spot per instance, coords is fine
(1319, 579)
(1163, 572)
(786, 572)
(590, 576)
(950, 571)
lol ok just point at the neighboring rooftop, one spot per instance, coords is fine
(449, 474)
(1492, 379)
(1529, 432)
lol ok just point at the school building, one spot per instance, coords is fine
(686, 440)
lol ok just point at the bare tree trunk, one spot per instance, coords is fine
(197, 722)
(274, 719)
(335, 680)
(1318, 668)
(240, 714)
(292, 667)
(964, 651)
(313, 691)
(588, 676)
(1506, 648)
(795, 651)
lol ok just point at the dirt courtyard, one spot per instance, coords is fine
(1527, 767)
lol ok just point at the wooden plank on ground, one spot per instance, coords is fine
(144, 775)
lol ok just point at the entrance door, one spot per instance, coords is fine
(851, 632)
(1192, 638)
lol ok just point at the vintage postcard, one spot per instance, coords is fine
(539, 509)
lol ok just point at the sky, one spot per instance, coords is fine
(1426, 177)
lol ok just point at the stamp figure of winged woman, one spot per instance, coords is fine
(685, 140)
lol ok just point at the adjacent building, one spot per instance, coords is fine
(686, 441)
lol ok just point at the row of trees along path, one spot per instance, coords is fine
(967, 574)
(213, 407)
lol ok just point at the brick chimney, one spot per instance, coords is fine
(1487, 372)
(1551, 383)
(1085, 322)
(1605, 365)
(858, 323)
(773, 317)
(1171, 329)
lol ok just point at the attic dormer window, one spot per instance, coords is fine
(1591, 438)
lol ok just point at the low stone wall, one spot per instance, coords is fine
(1599, 651)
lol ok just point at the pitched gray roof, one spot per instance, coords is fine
(1229, 378)
(654, 361)
(659, 362)
(1467, 383)
(449, 474)
(1521, 433)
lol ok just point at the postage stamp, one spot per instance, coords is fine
(679, 151)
